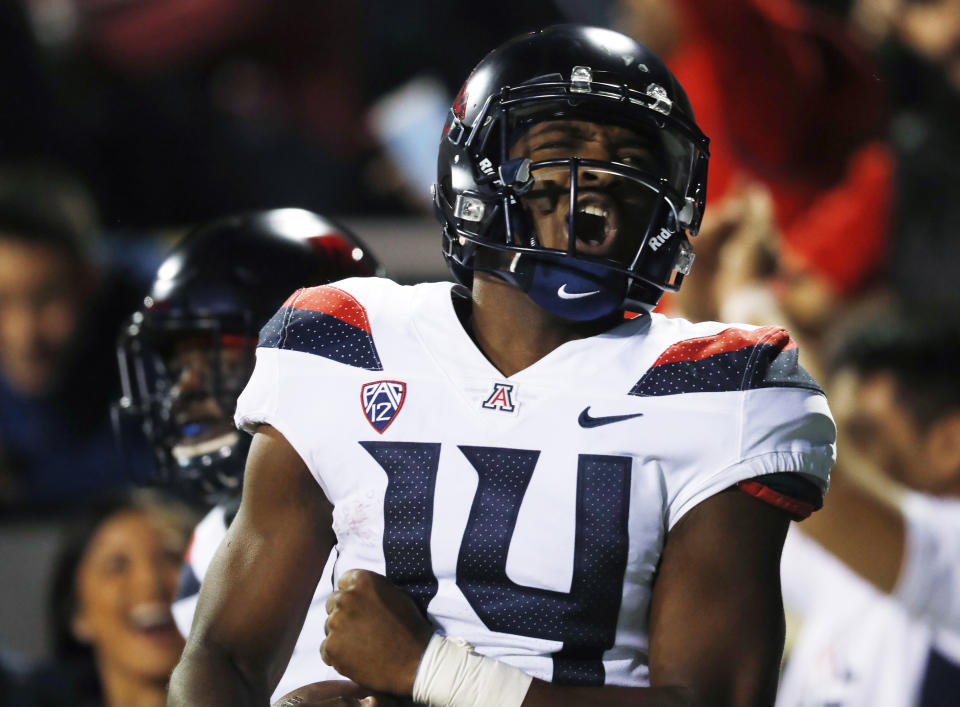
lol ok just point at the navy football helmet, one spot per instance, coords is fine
(488, 199)
(186, 355)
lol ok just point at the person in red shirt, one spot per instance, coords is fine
(793, 107)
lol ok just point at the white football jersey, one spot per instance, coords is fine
(526, 514)
(859, 647)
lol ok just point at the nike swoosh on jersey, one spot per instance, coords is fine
(586, 420)
(563, 294)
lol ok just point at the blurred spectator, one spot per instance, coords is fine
(59, 315)
(881, 612)
(922, 71)
(930, 29)
(114, 633)
(794, 114)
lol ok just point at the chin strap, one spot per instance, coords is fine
(570, 289)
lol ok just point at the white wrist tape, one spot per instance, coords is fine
(452, 675)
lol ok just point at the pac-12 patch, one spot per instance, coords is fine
(382, 401)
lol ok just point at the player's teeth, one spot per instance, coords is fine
(595, 210)
(150, 615)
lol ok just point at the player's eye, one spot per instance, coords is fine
(563, 145)
(636, 158)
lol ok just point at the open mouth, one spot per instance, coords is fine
(595, 223)
(153, 618)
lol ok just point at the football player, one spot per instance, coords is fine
(534, 498)
(187, 353)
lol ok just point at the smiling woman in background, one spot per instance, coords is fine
(114, 584)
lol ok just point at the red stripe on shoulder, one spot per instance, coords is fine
(333, 301)
(724, 342)
(798, 509)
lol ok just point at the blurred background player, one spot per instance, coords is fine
(878, 592)
(187, 354)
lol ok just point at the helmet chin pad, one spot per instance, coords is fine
(211, 471)
(571, 289)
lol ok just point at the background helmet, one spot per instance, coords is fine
(569, 72)
(211, 295)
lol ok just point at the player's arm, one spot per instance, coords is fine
(860, 525)
(716, 621)
(256, 593)
(716, 616)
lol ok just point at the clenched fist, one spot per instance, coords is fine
(376, 635)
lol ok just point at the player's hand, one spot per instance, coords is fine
(376, 635)
(746, 256)
(335, 693)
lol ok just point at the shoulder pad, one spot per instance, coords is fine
(325, 321)
(733, 359)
